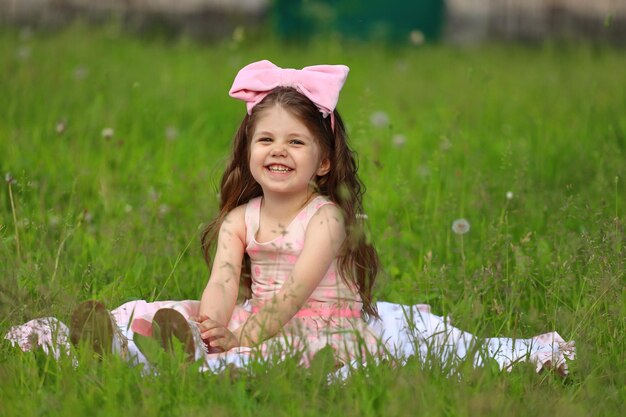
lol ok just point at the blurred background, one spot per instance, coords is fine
(418, 21)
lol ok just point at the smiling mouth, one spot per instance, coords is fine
(281, 169)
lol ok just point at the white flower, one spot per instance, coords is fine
(108, 132)
(379, 119)
(460, 226)
(398, 140)
(509, 195)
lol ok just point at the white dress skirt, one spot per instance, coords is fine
(402, 332)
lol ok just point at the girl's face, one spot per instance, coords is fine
(285, 158)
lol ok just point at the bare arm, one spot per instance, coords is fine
(323, 239)
(220, 294)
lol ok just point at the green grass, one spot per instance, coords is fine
(118, 219)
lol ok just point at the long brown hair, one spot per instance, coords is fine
(358, 260)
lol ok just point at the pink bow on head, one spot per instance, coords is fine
(320, 83)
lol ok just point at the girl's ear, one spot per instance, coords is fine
(324, 167)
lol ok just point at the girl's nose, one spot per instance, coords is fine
(279, 150)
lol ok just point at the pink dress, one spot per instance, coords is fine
(330, 317)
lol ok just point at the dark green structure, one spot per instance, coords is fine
(388, 20)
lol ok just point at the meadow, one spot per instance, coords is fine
(111, 150)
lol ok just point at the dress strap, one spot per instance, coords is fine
(314, 205)
(317, 203)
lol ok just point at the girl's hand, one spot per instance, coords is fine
(216, 336)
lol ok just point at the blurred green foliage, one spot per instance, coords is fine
(377, 20)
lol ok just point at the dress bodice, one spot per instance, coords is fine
(273, 261)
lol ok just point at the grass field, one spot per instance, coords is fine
(116, 144)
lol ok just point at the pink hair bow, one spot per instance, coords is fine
(319, 83)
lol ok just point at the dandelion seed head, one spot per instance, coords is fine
(239, 34)
(108, 132)
(54, 220)
(60, 127)
(398, 140)
(171, 133)
(164, 209)
(361, 216)
(509, 195)
(9, 178)
(460, 226)
(26, 33)
(343, 191)
(445, 144)
(401, 66)
(23, 53)
(87, 216)
(153, 194)
(128, 208)
(80, 73)
(423, 171)
(416, 37)
(379, 119)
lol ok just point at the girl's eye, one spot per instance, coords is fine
(264, 139)
(297, 142)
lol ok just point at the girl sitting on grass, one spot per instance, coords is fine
(290, 230)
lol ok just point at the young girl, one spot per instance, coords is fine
(289, 233)
(288, 222)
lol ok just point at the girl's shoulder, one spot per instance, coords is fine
(236, 213)
(239, 219)
(234, 222)
(326, 226)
